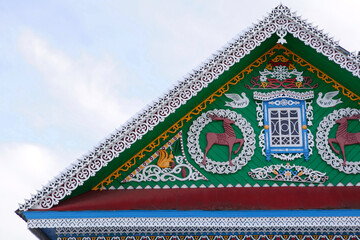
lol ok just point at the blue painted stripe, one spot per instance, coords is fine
(196, 213)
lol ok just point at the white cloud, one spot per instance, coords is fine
(90, 91)
(24, 167)
(187, 33)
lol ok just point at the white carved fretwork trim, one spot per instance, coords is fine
(323, 147)
(279, 21)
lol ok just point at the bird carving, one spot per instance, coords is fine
(238, 101)
(328, 99)
(165, 159)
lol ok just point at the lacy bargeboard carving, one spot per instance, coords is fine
(324, 148)
(147, 119)
(288, 173)
(197, 154)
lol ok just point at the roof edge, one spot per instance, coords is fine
(280, 20)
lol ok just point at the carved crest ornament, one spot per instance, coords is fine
(281, 73)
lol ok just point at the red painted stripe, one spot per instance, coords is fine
(270, 198)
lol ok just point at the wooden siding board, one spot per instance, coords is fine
(323, 63)
(266, 198)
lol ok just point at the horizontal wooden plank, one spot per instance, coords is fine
(260, 198)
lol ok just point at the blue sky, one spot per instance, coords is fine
(73, 71)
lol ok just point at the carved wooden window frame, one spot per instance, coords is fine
(286, 104)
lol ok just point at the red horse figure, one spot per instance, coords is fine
(343, 137)
(227, 138)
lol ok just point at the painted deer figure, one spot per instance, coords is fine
(343, 137)
(227, 138)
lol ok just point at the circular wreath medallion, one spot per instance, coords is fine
(242, 158)
(323, 145)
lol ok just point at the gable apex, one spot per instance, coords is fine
(280, 21)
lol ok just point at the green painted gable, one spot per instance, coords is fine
(158, 148)
(315, 81)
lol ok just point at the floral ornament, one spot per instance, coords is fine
(280, 73)
(299, 78)
(288, 173)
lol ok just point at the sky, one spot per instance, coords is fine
(71, 72)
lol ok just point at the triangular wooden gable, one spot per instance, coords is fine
(274, 97)
(172, 165)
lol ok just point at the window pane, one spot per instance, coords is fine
(284, 127)
(285, 141)
(275, 141)
(294, 127)
(293, 113)
(284, 114)
(295, 140)
(274, 114)
(275, 127)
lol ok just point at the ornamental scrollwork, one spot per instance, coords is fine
(261, 96)
(288, 173)
(279, 21)
(277, 75)
(240, 160)
(169, 167)
(323, 141)
(181, 172)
